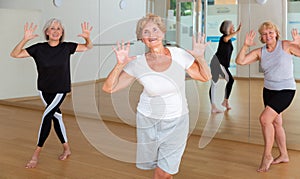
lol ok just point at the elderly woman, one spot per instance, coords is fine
(279, 85)
(220, 65)
(52, 59)
(162, 112)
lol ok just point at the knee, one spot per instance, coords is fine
(263, 120)
(277, 123)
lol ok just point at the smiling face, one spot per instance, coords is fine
(269, 33)
(152, 35)
(268, 36)
(55, 31)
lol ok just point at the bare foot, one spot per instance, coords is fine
(226, 105)
(265, 164)
(64, 155)
(32, 163)
(216, 110)
(281, 159)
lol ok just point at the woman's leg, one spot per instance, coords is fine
(281, 141)
(215, 71)
(212, 92)
(266, 120)
(228, 77)
(52, 102)
(62, 134)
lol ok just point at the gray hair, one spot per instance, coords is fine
(49, 23)
(150, 18)
(224, 28)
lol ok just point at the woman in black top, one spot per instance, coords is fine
(220, 63)
(52, 60)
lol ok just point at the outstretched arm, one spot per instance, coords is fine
(245, 58)
(19, 51)
(117, 78)
(86, 30)
(229, 36)
(199, 69)
(293, 46)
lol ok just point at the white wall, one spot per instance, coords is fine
(17, 77)
(110, 23)
(251, 16)
(116, 25)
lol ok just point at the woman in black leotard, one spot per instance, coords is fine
(220, 64)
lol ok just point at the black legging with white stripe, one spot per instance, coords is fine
(52, 112)
(218, 70)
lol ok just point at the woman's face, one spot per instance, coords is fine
(55, 31)
(231, 29)
(152, 36)
(268, 35)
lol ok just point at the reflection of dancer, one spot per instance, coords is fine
(162, 117)
(211, 128)
(279, 85)
(52, 59)
(220, 63)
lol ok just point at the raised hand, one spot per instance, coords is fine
(249, 40)
(239, 27)
(199, 46)
(122, 53)
(86, 30)
(296, 37)
(29, 31)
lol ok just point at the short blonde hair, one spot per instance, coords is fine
(268, 25)
(49, 23)
(149, 18)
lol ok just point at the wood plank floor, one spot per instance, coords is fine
(219, 159)
(234, 151)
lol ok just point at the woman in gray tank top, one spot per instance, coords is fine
(279, 85)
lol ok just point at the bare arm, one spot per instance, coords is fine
(19, 51)
(86, 30)
(117, 78)
(229, 36)
(293, 47)
(245, 58)
(199, 69)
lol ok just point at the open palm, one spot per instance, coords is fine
(199, 46)
(29, 31)
(86, 30)
(122, 53)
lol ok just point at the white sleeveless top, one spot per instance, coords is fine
(163, 96)
(278, 68)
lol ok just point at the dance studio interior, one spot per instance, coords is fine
(101, 127)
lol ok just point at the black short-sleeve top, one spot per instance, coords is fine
(224, 51)
(53, 66)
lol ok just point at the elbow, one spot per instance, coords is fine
(13, 55)
(208, 77)
(90, 46)
(240, 62)
(107, 89)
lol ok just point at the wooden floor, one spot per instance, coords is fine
(219, 159)
(96, 153)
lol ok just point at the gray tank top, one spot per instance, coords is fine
(278, 68)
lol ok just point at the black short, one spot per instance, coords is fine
(278, 100)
